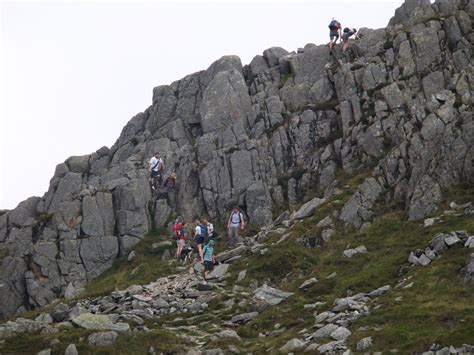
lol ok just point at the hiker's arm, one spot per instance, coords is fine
(228, 222)
(242, 220)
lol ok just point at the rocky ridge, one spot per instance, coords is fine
(261, 136)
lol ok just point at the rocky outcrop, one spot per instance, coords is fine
(261, 136)
(438, 245)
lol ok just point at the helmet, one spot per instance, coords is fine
(354, 29)
(346, 29)
(212, 242)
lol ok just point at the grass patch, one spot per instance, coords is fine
(44, 218)
(137, 343)
(146, 267)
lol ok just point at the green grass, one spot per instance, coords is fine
(146, 267)
(44, 218)
(135, 343)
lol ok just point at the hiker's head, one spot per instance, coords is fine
(235, 209)
(173, 175)
(354, 30)
(197, 221)
(157, 154)
(204, 221)
(346, 30)
(212, 242)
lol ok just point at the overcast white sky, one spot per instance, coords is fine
(73, 73)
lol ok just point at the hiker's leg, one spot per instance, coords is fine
(232, 236)
(229, 236)
(237, 235)
(201, 256)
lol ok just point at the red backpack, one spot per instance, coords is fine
(177, 230)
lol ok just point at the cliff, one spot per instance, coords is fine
(264, 136)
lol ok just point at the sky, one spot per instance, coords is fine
(72, 74)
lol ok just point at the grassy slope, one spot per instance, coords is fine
(438, 308)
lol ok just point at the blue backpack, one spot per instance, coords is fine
(204, 230)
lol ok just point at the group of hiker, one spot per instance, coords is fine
(336, 32)
(199, 235)
(203, 237)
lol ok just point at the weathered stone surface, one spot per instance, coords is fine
(357, 210)
(244, 317)
(364, 343)
(308, 208)
(407, 9)
(228, 333)
(467, 272)
(351, 252)
(26, 209)
(341, 333)
(226, 255)
(71, 350)
(292, 345)
(98, 253)
(219, 271)
(270, 295)
(308, 283)
(325, 331)
(99, 322)
(226, 102)
(102, 338)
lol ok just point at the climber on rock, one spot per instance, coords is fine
(156, 166)
(334, 32)
(170, 185)
(346, 35)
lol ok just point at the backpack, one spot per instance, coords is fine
(204, 230)
(334, 25)
(232, 217)
(177, 230)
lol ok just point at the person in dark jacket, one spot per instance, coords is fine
(170, 185)
(334, 32)
(347, 33)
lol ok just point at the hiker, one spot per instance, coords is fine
(170, 184)
(155, 167)
(234, 225)
(209, 258)
(180, 241)
(346, 35)
(185, 230)
(199, 238)
(210, 229)
(204, 231)
(186, 249)
(334, 32)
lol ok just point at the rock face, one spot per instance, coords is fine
(261, 136)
